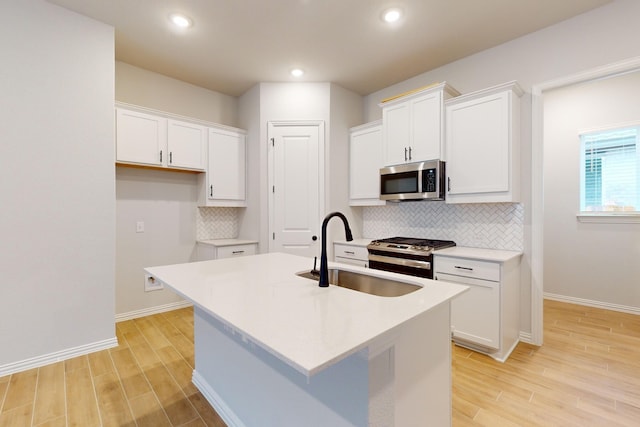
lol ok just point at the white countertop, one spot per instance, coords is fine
(479, 253)
(354, 242)
(227, 242)
(306, 326)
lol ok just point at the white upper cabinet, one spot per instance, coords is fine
(413, 125)
(483, 145)
(186, 145)
(225, 180)
(365, 161)
(149, 139)
(140, 138)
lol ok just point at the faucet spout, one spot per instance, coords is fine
(324, 270)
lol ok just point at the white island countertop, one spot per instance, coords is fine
(307, 327)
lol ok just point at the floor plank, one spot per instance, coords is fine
(586, 374)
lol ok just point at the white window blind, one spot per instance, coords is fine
(609, 171)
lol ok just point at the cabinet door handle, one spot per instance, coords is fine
(405, 154)
(409, 153)
(211, 190)
(463, 268)
(160, 156)
(448, 184)
(170, 157)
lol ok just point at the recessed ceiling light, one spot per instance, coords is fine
(180, 20)
(391, 15)
(297, 72)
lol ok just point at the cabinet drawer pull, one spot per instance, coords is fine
(237, 252)
(463, 268)
(349, 252)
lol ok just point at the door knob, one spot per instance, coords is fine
(314, 238)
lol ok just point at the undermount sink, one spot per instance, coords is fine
(364, 283)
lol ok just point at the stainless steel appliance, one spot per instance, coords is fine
(406, 255)
(413, 181)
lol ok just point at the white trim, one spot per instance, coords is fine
(47, 359)
(526, 337)
(609, 217)
(592, 303)
(214, 399)
(537, 177)
(152, 310)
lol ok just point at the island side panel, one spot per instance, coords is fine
(250, 387)
(422, 355)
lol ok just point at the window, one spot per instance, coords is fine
(610, 171)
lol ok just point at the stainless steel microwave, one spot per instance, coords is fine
(413, 181)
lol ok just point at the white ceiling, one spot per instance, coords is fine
(235, 44)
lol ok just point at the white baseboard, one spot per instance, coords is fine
(121, 317)
(70, 353)
(591, 303)
(526, 337)
(223, 410)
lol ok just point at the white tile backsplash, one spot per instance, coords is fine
(481, 225)
(217, 223)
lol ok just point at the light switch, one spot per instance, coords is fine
(140, 227)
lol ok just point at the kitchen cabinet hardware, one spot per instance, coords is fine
(237, 252)
(211, 191)
(170, 157)
(463, 268)
(160, 156)
(350, 252)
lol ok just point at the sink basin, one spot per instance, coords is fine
(364, 283)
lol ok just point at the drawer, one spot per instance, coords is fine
(351, 261)
(236, 250)
(352, 252)
(485, 270)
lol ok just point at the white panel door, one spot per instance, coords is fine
(296, 158)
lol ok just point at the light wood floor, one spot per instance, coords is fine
(586, 374)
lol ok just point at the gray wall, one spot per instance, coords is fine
(57, 184)
(165, 200)
(595, 262)
(605, 35)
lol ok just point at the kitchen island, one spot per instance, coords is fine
(274, 349)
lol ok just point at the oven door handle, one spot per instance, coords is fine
(425, 265)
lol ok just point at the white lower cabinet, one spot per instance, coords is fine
(354, 254)
(486, 317)
(225, 248)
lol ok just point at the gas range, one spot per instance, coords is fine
(405, 255)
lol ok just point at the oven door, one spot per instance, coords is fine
(413, 267)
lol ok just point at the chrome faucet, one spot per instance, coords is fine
(324, 270)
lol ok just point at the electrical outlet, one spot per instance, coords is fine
(151, 283)
(140, 227)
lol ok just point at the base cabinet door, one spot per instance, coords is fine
(475, 315)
